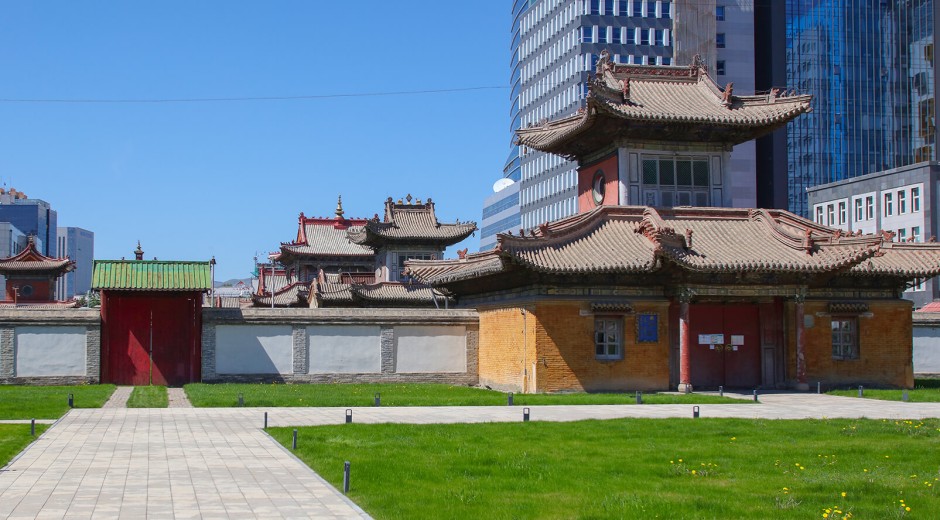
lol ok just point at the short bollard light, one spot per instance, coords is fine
(721, 391)
(905, 397)
(71, 401)
(265, 420)
(818, 387)
(861, 391)
(509, 399)
(241, 400)
(755, 395)
(695, 412)
(639, 397)
(378, 399)
(525, 414)
(32, 427)
(293, 443)
(348, 415)
(346, 477)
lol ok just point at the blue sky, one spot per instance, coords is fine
(192, 180)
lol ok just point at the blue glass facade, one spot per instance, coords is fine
(869, 65)
(33, 217)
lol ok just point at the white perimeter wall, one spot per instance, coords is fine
(431, 349)
(254, 349)
(344, 349)
(927, 350)
(50, 351)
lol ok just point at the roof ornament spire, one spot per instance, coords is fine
(408, 198)
(138, 253)
(726, 96)
(339, 208)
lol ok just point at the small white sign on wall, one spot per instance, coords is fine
(711, 339)
(737, 339)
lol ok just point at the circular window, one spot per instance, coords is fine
(26, 290)
(598, 186)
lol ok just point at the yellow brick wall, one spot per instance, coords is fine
(885, 347)
(502, 358)
(565, 350)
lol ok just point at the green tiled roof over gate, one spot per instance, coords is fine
(151, 275)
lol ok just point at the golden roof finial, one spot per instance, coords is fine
(339, 207)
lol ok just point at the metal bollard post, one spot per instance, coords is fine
(861, 391)
(509, 399)
(818, 387)
(905, 397)
(525, 414)
(348, 415)
(241, 400)
(32, 427)
(695, 411)
(755, 395)
(639, 397)
(294, 443)
(346, 477)
(378, 399)
(265, 420)
(721, 391)
(71, 401)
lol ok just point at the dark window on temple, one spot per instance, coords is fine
(404, 257)
(608, 338)
(667, 173)
(720, 40)
(700, 173)
(649, 172)
(844, 338)
(684, 173)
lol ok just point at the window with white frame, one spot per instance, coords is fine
(859, 212)
(844, 337)
(842, 216)
(915, 200)
(869, 207)
(608, 337)
(902, 235)
(830, 214)
(819, 214)
(902, 201)
(889, 205)
(915, 234)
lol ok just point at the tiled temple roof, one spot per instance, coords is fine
(287, 291)
(329, 291)
(151, 275)
(661, 103)
(325, 237)
(411, 223)
(30, 260)
(634, 239)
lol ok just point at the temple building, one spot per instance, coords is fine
(641, 290)
(637, 298)
(660, 135)
(340, 262)
(31, 277)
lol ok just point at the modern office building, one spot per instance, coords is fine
(870, 68)
(899, 203)
(32, 217)
(555, 45)
(12, 241)
(79, 246)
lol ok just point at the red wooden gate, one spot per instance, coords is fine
(151, 338)
(725, 363)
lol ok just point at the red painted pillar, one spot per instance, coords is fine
(801, 383)
(685, 344)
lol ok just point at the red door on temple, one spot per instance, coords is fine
(151, 338)
(725, 348)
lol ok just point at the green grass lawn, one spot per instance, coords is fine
(924, 391)
(634, 468)
(49, 402)
(148, 397)
(419, 394)
(15, 437)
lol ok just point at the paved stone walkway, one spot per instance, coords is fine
(119, 398)
(178, 399)
(218, 463)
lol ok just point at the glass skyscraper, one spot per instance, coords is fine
(870, 67)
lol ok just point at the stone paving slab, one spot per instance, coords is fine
(119, 398)
(177, 398)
